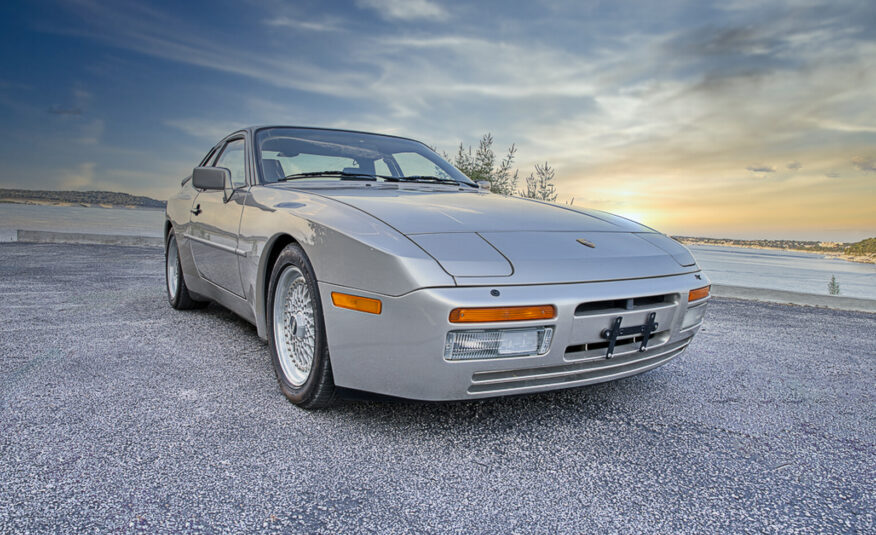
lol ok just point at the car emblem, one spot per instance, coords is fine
(588, 243)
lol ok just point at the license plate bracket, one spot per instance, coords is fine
(616, 330)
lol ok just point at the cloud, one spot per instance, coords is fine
(80, 177)
(865, 163)
(210, 130)
(309, 25)
(154, 33)
(832, 123)
(405, 9)
(646, 96)
(761, 168)
(81, 99)
(832, 174)
(90, 133)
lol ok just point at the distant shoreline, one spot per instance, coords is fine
(861, 259)
(39, 202)
(864, 254)
(86, 199)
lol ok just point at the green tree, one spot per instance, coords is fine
(481, 165)
(540, 185)
(833, 287)
(867, 246)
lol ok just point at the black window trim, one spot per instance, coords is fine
(237, 136)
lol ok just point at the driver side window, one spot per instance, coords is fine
(233, 159)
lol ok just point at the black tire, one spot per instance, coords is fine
(318, 390)
(181, 299)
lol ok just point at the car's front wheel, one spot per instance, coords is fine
(177, 292)
(296, 334)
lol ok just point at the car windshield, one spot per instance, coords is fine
(313, 154)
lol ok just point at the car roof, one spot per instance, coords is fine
(252, 129)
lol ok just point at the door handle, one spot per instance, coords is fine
(197, 210)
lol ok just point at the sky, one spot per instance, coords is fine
(740, 119)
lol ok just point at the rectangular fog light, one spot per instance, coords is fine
(497, 343)
(693, 316)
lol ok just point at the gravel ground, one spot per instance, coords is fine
(119, 414)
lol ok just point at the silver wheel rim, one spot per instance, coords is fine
(294, 329)
(172, 268)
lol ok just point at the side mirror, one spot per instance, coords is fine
(212, 178)
(484, 184)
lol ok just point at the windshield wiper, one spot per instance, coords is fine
(368, 176)
(423, 178)
(294, 176)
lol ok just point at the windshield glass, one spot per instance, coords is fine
(313, 154)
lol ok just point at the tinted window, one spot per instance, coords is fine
(233, 159)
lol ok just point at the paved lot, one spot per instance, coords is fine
(118, 413)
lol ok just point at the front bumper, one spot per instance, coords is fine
(401, 351)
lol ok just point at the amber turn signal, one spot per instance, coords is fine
(356, 302)
(699, 293)
(480, 315)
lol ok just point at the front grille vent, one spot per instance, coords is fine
(621, 305)
(623, 345)
(573, 373)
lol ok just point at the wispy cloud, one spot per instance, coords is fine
(81, 99)
(90, 133)
(865, 163)
(155, 33)
(209, 130)
(406, 9)
(308, 25)
(761, 168)
(81, 176)
(661, 101)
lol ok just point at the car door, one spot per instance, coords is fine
(215, 222)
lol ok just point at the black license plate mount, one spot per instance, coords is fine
(616, 330)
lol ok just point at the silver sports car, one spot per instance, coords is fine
(369, 263)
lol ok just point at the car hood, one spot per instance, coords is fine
(427, 210)
(481, 238)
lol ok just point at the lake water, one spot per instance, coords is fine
(755, 268)
(785, 270)
(124, 221)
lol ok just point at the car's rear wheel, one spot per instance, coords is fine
(297, 332)
(177, 291)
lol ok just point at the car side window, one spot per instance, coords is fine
(233, 159)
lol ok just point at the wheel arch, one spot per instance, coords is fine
(168, 226)
(273, 248)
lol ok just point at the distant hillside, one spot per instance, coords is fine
(864, 251)
(85, 198)
(867, 246)
(793, 245)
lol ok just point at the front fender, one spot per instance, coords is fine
(346, 247)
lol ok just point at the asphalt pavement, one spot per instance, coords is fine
(120, 414)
